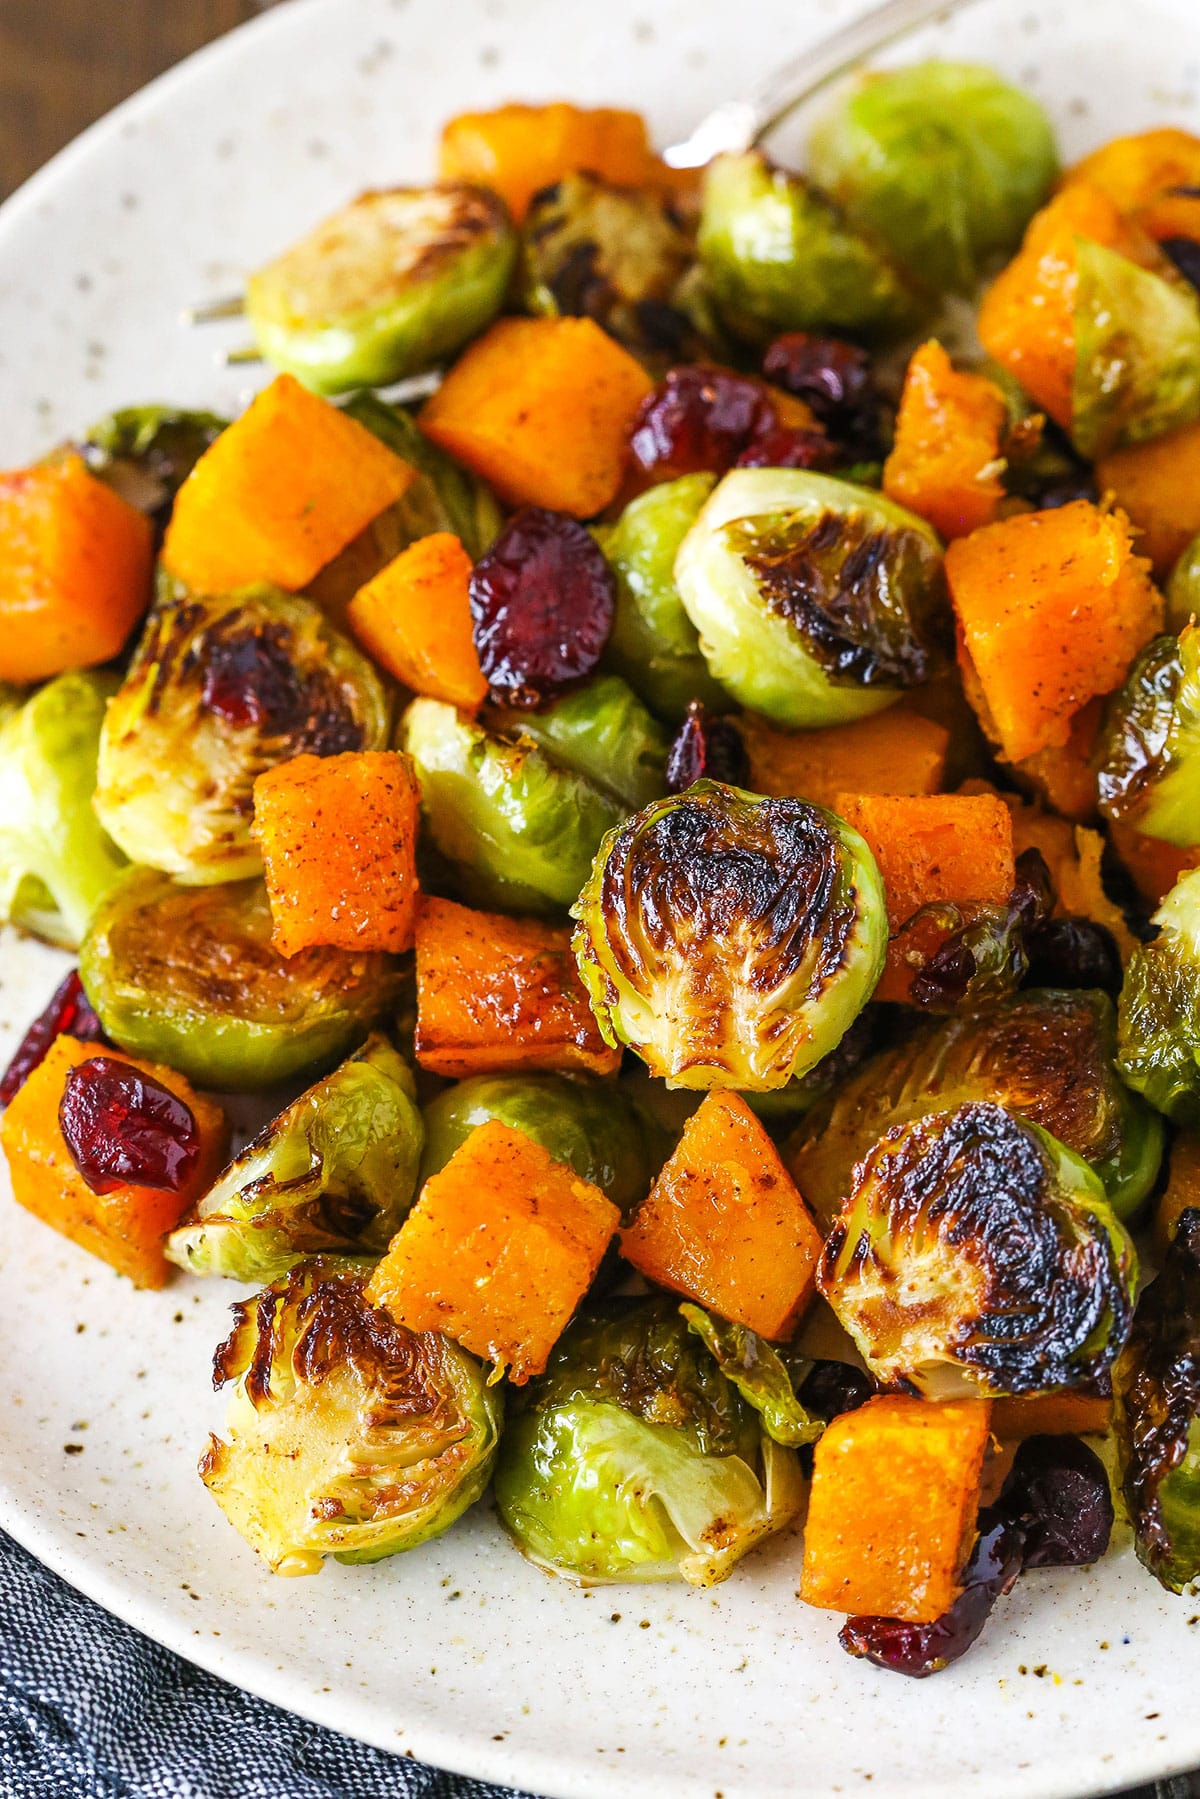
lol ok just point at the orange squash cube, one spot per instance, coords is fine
(414, 618)
(339, 843)
(892, 1509)
(1152, 865)
(725, 1224)
(126, 1227)
(945, 462)
(517, 149)
(498, 1251)
(498, 994)
(1182, 1189)
(896, 751)
(1071, 1413)
(1158, 485)
(283, 489)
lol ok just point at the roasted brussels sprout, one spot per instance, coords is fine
(1149, 773)
(56, 863)
(977, 1254)
(348, 1435)
(817, 602)
(730, 940)
(188, 976)
(603, 732)
(334, 1172)
(386, 287)
(1044, 1056)
(587, 1124)
(633, 1458)
(982, 950)
(1157, 1386)
(218, 690)
(654, 643)
(1183, 589)
(1137, 352)
(445, 496)
(942, 163)
(518, 830)
(1158, 1015)
(147, 453)
(760, 1374)
(778, 255)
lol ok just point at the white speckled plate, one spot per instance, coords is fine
(460, 1653)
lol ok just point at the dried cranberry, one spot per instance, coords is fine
(1073, 952)
(542, 603)
(698, 419)
(788, 446)
(249, 679)
(706, 748)
(831, 1388)
(69, 1014)
(836, 380)
(124, 1128)
(1057, 1492)
(1185, 254)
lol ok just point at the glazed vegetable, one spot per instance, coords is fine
(1157, 1385)
(940, 162)
(519, 831)
(1153, 866)
(730, 940)
(1158, 1019)
(896, 751)
(1137, 352)
(187, 975)
(634, 1459)
(1149, 763)
(760, 1374)
(1044, 1056)
(816, 601)
(1182, 1190)
(518, 150)
(68, 1012)
(75, 564)
(219, 690)
(499, 1249)
(118, 1220)
(778, 255)
(946, 461)
(334, 1172)
(1062, 591)
(56, 863)
(347, 1435)
(1062, 776)
(414, 619)
(541, 408)
(1158, 485)
(146, 453)
(497, 993)
(393, 282)
(603, 732)
(443, 496)
(977, 1254)
(1142, 171)
(279, 494)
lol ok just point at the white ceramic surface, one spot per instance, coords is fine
(460, 1653)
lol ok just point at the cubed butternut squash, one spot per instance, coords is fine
(517, 149)
(1068, 1414)
(414, 618)
(1158, 485)
(1152, 865)
(1139, 168)
(499, 1249)
(725, 1224)
(896, 751)
(945, 463)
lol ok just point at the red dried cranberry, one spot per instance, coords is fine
(697, 420)
(124, 1128)
(836, 380)
(706, 748)
(788, 446)
(1058, 1494)
(249, 679)
(831, 1388)
(69, 1014)
(1074, 952)
(542, 603)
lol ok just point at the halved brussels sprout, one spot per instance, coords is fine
(633, 1458)
(654, 643)
(1158, 1014)
(218, 690)
(386, 287)
(1157, 1386)
(603, 732)
(587, 1124)
(1137, 352)
(146, 453)
(731, 940)
(56, 863)
(348, 1435)
(1045, 1056)
(519, 831)
(1183, 589)
(977, 1254)
(817, 602)
(760, 1374)
(778, 255)
(943, 163)
(445, 496)
(1149, 773)
(188, 976)
(335, 1172)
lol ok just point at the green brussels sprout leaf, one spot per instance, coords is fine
(445, 496)
(146, 453)
(1137, 352)
(1158, 1014)
(603, 732)
(1149, 773)
(760, 1375)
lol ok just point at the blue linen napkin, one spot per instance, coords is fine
(90, 1709)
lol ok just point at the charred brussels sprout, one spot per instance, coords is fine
(1158, 1015)
(603, 732)
(146, 453)
(587, 1124)
(56, 863)
(1137, 352)
(518, 830)
(943, 163)
(779, 255)
(977, 1254)
(1157, 1386)
(392, 283)
(633, 1458)
(817, 602)
(731, 940)
(760, 1374)
(188, 976)
(445, 496)
(335, 1172)
(1149, 775)
(218, 690)
(348, 1435)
